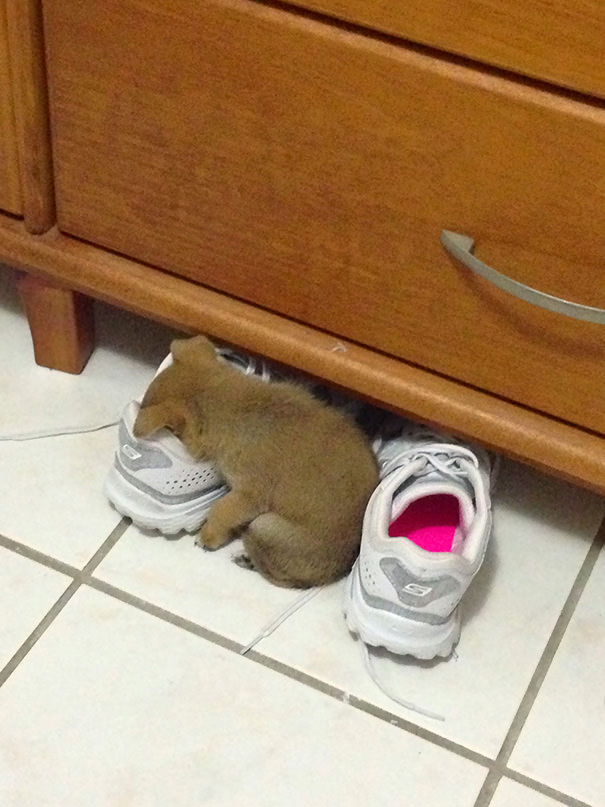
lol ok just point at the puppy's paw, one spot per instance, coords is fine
(211, 538)
(243, 561)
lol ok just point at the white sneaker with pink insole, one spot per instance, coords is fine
(425, 532)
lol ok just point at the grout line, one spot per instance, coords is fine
(545, 790)
(370, 709)
(38, 631)
(543, 666)
(164, 615)
(59, 565)
(84, 577)
(496, 769)
(107, 545)
(78, 578)
(488, 789)
(38, 557)
(551, 648)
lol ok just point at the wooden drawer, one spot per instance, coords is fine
(10, 190)
(311, 171)
(558, 41)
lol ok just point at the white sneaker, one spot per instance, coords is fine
(155, 481)
(425, 532)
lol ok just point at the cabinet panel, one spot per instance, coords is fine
(310, 171)
(558, 40)
(10, 191)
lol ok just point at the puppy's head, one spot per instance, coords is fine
(167, 402)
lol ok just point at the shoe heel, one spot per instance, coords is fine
(397, 634)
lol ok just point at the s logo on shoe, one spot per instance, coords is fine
(412, 593)
(417, 589)
(130, 452)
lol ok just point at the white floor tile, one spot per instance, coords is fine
(115, 707)
(204, 587)
(27, 591)
(542, 532)
(512, 794)
(52, 497)
(563, 739)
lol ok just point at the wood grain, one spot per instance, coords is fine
(310, 172)
(28, 74)
(547, 444)
(10, 187)
(553, 40)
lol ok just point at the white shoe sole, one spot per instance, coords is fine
(149, 514)
(405, 637)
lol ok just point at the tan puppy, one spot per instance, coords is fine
(300, 472)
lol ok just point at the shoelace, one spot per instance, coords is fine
(58, 431)
(249, 365)
(271, 626)
(448, 459)
(368, 660)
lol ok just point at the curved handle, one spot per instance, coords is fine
(461, 247)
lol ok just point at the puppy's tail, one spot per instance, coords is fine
(288, 555)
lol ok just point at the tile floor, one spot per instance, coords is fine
(121, 680)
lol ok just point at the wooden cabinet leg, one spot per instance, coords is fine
(61, 324)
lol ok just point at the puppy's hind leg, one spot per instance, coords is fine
(227, 517)
(283, 553)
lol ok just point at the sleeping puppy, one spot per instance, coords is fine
(300, 472)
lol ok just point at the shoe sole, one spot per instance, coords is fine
(150, 514)
(404, 637)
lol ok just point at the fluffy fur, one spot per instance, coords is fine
(300, 472)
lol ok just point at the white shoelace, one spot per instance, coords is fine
(271, 626)
(449, 459)
(368, 660)
(58, 431)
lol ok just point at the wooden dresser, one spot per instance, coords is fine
(281, 177)
(10, 184)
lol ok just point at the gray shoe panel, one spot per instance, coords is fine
(414, 591)
(136, 455)
(164, 498)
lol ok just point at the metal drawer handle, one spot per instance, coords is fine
(461, 247)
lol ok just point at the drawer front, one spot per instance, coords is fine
(558, 41)
(311, 172)
(10, 190)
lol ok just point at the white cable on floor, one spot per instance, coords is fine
(390, 694)
(56, 432)
(275, 623)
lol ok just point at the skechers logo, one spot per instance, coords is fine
(412, 593)
(417, 589)
(143, 456)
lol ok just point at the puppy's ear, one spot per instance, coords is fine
(189, 351)
(170, 414)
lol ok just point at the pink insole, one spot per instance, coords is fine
(430, 522)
